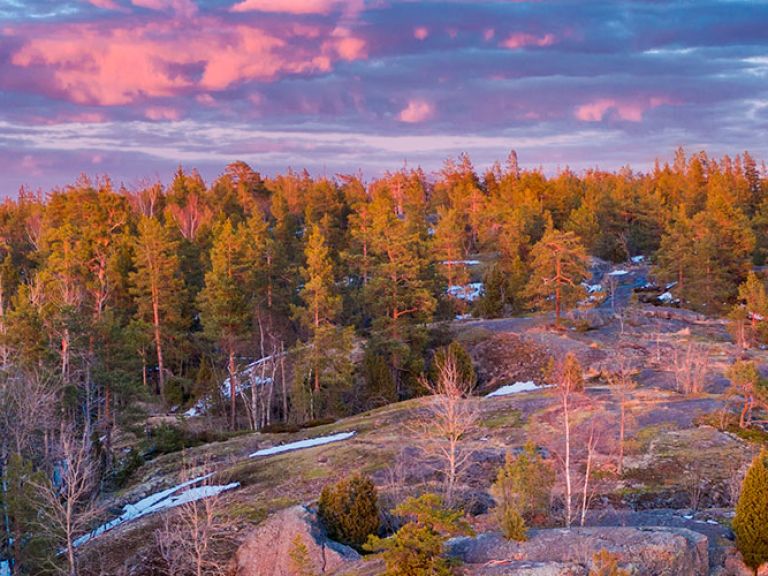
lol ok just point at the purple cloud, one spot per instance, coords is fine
(133, 87)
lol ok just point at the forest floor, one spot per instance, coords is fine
(679, 468)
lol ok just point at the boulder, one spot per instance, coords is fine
(267, 550)
(654, 551)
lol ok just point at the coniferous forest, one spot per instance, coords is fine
(274, 303)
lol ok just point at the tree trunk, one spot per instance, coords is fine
(621, 437)
(568, 491)
(232, 388)
(158, 346)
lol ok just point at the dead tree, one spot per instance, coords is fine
(69, 506)
(691, 363)
(622, 384)
(450, 415)
(192, 539)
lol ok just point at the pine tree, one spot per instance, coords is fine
(157, 286)
(522, 491)
(224, 304)
(751, 521)
(559, 265)
(418, 548)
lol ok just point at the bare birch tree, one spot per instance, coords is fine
(69, 506)
(691, 363)
(450, 415)
(568, 378)
(191, 537)
(622, 384)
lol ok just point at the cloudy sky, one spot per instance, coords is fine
(133, 88)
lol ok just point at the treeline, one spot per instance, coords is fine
(115, 292)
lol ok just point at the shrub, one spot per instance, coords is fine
(380, 388)
(521, 491)
(462, 359)
(418, 548)
(751, 521)
(301, 563)
(349, 510)
(605, 563)
(512, 524)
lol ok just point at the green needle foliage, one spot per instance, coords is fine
(418, 548)
(751, 521)
(349, 510)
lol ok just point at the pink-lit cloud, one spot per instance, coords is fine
(421, 32)
(417, 111)
(629, 110)
(121, 64)
(106, 4)
(289, 6)
(522, 39)
(162, 113)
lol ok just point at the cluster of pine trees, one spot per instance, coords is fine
(114, 293)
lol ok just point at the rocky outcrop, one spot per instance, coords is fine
(267, 551)
(648, 551)
(528, 569)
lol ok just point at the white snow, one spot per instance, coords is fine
(592, 288)
(618, 273)
(666, 297)
(163, 500)
(461, 262)
(516, 388)
(637, 259)
(463, 316)
(470, 292)
(311, 442)
(5, 568)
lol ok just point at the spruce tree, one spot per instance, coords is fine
(751, 521)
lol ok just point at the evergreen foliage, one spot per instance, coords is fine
(418, 547)
(349, 510)
(522, 491)
(751, 521)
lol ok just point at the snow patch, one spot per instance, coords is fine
(463, 317)
(321, 440)
(460, 262)
(618, 273)
(637, 259)
(164, 500)
(516, 388)
(469, 293)
(592, 288)
(666, 297)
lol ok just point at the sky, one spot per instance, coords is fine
(135, 88)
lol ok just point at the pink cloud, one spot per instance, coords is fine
(521, 40)
(106, 4)
(421, 33)
(289, 6)
(98, 64)
(631, 111)
(488, 34)
(162, 113)
(417, 111)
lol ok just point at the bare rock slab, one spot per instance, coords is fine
(267, 551)
(651, 551)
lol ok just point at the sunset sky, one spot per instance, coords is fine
(132, 88)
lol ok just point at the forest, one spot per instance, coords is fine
(269, 303)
